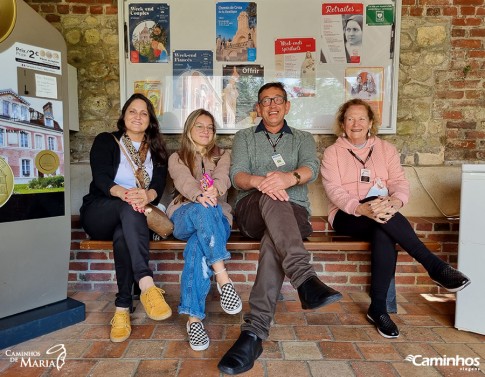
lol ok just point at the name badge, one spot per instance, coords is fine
(278, 160)
(364, 175)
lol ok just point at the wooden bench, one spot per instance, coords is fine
(323, 239)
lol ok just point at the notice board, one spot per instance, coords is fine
(186, 54)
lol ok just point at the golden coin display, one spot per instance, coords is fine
(6, 182)
(47, 162)
(8, 13)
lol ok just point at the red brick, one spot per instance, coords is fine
(452, 114)
(359, 257)
(78, 266)
(410, 268)
(243, 266)
(457, 33)
(111, 10)
(359, 279)
(473, 94)
(468, 2)
(166, 278)
(333, 279)
(62, 9)
(434, 2)
(450, 11)
(405, 280)
(481, 11)
(477, 54)
(96, 276)
(467, 11)
(462, 125)
(96, 266)
(409, 2)
(91, 255)
(450, 94)
(163, 255)
(467, 21)
(53, 18)
(47, 8)
(79, 9)
(331, 267)
(328, 257)
(416, 11)
(96, 9)
(170, 266)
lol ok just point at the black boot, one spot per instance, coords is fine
(314, 294)
(242, 355)
(451, 279)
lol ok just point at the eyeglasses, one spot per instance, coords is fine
(278, 100)
(200, 127)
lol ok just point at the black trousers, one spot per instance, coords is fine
(383, 238)
(114, 219)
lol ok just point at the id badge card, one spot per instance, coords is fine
(278, 160)
(364, 175)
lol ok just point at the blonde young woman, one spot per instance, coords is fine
(202, 217)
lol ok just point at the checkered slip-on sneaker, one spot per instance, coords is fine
(198, 338)
(230, 301)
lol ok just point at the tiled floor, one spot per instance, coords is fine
(332, 341)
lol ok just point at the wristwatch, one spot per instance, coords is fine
(298, 178)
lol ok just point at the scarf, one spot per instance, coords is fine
(138, 157)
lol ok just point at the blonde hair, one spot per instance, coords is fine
(339, 118)
(189, 149)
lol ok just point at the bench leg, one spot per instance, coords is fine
(391, 297)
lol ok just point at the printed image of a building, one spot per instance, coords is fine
(24, 132)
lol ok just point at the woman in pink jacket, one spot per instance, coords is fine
(366, 187)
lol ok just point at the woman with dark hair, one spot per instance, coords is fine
(353, 38)
(366, 187)
(129, 169)
(202, 216)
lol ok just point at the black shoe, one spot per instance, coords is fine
(242, 355)
(385, 326)
(314, 294)
(451, 279)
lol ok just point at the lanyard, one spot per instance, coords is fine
(203, 167)
(274, 143)
(359, 159)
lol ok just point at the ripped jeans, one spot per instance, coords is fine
(206, 231)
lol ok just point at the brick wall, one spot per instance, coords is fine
(441, 112)
(344, 270)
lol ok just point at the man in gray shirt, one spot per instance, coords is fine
(271, 166)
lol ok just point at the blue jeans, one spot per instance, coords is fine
(206, 231)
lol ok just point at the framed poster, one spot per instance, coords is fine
(321, 56)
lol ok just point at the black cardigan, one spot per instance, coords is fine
(105, 160)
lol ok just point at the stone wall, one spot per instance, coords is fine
(441, 112)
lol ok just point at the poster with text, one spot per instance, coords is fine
(236, 31)
(240, 85)
(32, 147)
(295, 65)
(153, 91)
(342, 33)
(366, 83)
(194, 82)
(149, 32)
